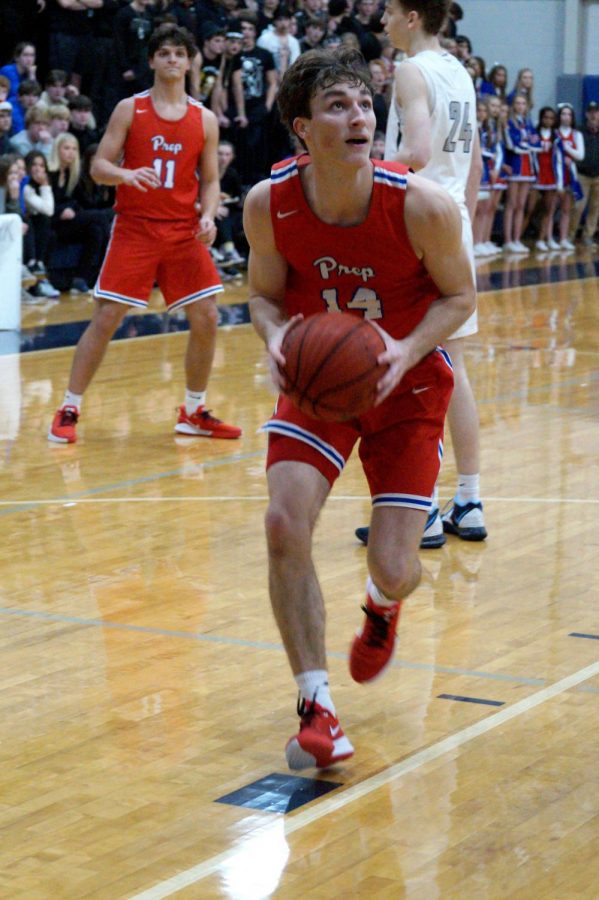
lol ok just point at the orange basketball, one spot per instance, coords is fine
(331, 365)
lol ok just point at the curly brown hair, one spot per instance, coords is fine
(315, 70)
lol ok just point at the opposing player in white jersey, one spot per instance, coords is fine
(434, 112)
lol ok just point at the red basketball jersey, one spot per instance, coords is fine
(368, 270)
(171, 148)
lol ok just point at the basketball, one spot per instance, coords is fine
(331, 365)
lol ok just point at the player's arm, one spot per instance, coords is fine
(474, 176)
(267, 277)
(434, 226)
(412, 96)
(209, 180)
(105, 168)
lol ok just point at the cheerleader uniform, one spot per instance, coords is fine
(546, 180)
(569, 149)
(522, 142)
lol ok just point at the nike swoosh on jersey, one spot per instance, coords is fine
(283, 215)
(334, 731)
(420, 390)
(140, 111)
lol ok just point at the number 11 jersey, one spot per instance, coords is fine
(173, 150)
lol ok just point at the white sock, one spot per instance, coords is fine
(315, 682)
(71, 399)
(468, 489)
(377, 596)
(193, 399)
(435, 497)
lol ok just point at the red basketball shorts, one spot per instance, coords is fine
(400, 441)
(143, 252)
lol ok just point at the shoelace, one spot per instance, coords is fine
(306, 715)
(207, 416)
(380, 628)
(68, 417)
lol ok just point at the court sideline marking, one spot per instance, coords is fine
(75, 499)
(329, 806)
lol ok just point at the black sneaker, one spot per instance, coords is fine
(466, 521)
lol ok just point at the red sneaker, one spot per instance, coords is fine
(203, 424)
(62, 429)
(320, 741)
(373, 646)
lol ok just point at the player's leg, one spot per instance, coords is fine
(125, 281)
(305, 456)
(394, 567)
(465, 516)
(188, 278)
(401, 461)
(297, 493)
(89, 353)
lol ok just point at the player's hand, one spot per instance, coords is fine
(398, 360)
(275, 357)
(241, 121)
(206, 232)
(141, 179)
(67, 214)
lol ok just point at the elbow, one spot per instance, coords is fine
(96, 172)
(417, 160)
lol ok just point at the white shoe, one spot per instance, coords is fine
(520, 247)
(567, 245)
(510, 247)
(479, 250)
(553, 245)
(542, 246)
(434, 535)
(492, 248)
(44, 289)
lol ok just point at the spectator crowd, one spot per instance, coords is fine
(65, 64)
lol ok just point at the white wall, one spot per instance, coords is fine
(520, 34)
(590, 48)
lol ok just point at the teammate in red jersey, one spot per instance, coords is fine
(156, 147)
(335, 230)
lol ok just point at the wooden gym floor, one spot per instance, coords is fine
(143, 678)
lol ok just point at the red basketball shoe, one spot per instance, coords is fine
(320, 742)
(373, 646)
(203, 424)
(62, 429)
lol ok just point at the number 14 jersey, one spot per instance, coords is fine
(369, 270)
(173, 150)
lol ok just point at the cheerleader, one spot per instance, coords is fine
(484, 189)
(522, 143)
(569, 149)
(496, 86)
(524, 85)
(488, 198)
(495, 142)
(546, 180)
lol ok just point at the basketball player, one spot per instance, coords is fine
(375, 242)
(155, 146)
(439, 139)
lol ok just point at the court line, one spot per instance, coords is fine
(74, 499)
(333, 804)
(252, 645)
